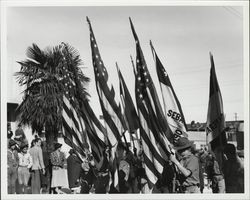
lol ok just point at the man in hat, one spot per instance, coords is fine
(188, 166)
(12, 164)
(20, 136)
(25, 163)
(74, 169)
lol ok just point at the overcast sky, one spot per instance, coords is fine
(182, 37)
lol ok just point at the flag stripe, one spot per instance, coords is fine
(109, 102)
(128, 105)
(70, 113)
(152, 168)
(112, 121)
(72, 133)
(149, 138)
(71, 121)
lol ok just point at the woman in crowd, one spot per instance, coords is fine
(37, 167)
(25, 163)
(59, 174)
(12, 164)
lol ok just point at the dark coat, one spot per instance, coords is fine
(74, 169)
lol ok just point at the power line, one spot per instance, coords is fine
(233, 12)
(236, 11)
(200, 86)
(206, 69)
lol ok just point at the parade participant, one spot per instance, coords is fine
(165, 183)
(198, 154)
(141, 173)
(73, 168)
(25, 163)
(102, 182)
(9, 133)
(37, 167)
(20, 137)
(12, 164)
(46, 178)
(188, 166)
(233, 171)
(214, 174)
(59, 174)
(124, 169)
(133, 168)
(88, 174)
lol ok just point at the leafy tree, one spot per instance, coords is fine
(42, 73)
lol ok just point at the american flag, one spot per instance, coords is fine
(93, 127)
(113, 119)
(96, 133)
(172, 106)
(130, 114)
(153, 128)
(73, 125)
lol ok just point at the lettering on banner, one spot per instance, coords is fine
(174, 115)
(215, 123)
(177, 117)
(177, 135)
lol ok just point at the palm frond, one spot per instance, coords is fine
(42, 72)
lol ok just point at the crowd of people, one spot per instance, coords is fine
(36, 170)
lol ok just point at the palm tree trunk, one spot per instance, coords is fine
(51, 137)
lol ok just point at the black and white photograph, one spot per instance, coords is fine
(125, 100)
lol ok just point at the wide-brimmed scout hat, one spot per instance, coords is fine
(183, 143)
(57, 146)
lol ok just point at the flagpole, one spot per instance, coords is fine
(133, 65)
(118, 71)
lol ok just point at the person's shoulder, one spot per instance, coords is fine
(28, 154)
(193, 158)
(31, 150)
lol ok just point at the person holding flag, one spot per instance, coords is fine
(188, 166)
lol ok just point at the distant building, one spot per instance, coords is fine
(235, 133)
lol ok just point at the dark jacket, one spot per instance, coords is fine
(74, 169)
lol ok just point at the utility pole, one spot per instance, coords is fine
(235, 116)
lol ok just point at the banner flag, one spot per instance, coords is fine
(215, 126)
(172, 106)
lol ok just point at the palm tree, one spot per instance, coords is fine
(42, 73)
